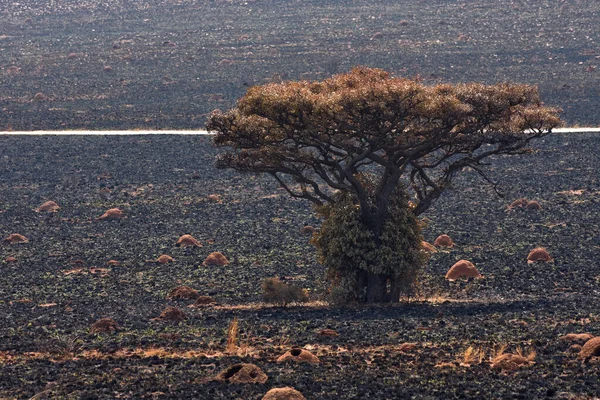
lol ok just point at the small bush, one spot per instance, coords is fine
(277, 292)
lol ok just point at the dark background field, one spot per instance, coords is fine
(126, 64)
(161, 183)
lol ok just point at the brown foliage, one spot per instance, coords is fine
(427, 133)
(16, 238)
(104, 325)
(188, 241)
(538, 254)
(184, 293)
(444, 240)
(242, 373)
(285, 393)
(462, 268)
(591, 348)
(277, 292)
(216, 258)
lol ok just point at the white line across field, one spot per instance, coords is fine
(200, 132)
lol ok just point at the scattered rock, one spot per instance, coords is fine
(104, 325)
(591, 348)
(184, 293)
(112, 262)
(111, 214)
(16, 238)
(538, 254)
(444, 240)
(172, 314)
(215, 258)
(10, 259)
(462, 268)
(298, 355)
(187, 241)
(285, 393)
(242, 373)
(49, 206)
(215, 198)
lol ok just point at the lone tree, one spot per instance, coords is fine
(373, 152)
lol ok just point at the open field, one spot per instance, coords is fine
(60, 282)
(127, 64)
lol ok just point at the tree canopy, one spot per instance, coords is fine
(317, 136)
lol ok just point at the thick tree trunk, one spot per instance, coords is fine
(378, 288)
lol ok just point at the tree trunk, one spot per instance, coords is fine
(379, 288)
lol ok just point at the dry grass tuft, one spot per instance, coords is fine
(472, 355)
(232, 336)
(277, 292)
(508, 362)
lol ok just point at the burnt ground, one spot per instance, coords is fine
(61, 283)
(166, 64)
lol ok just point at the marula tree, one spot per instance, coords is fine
(374, 151)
